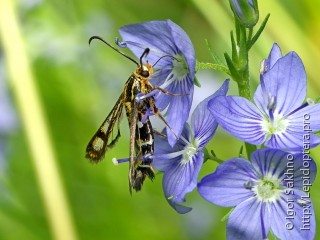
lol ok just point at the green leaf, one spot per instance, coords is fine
(258, 33)
(241, 155)
(213, 66)
(215, 57)
(196, 82)
(225, 217)
(233, 71)
(271, 236)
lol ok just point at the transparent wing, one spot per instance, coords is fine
(105, 137)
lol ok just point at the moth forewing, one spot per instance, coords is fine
(105, 137)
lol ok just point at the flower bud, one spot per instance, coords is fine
(246, 11)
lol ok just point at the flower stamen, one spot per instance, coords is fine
(277, 125)
(189, 151)
(180, 67)
(268, 189)
(272, 103)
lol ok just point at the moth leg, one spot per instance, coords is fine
(159, 133)
(167, 92)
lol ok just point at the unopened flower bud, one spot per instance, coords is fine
(246, 11)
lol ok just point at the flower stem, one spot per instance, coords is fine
(239, 65)
(211, 156)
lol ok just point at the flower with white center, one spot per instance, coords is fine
(182, 162)
(279, 118)
(267, 193)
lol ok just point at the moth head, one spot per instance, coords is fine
(145, 71)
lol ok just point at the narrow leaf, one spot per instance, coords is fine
(215, 57)
(258, 33)
(233, 71)
(212, 66)
(196, 82)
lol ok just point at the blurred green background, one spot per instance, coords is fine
(60, 92)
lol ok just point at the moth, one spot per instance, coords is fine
(137, 112)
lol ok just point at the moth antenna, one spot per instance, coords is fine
(144, 54)
(172, 57)
(117, 50)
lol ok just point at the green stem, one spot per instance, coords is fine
(240, 68)
(211, 156)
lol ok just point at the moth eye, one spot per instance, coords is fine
(145, 73)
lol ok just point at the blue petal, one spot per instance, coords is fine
(270, 162)
(155, 35)
(287, 167)
(159, 77)
(184, 44)
(203, 123)
(280, 217)
(178, 207)
(168, 159)
(181, 178)
(227, 185)
(250, 220)
(304, 171)
(274, 55)
(163, 100)
(162, 38)
(178, 109)
(291, 140)
(286, 81)
(166, 156)
(239, 117)
(308, 116)
(285, 140)
(164, 162)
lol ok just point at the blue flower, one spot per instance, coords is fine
(267, 194)
(175, 72)
(181, 164)
(278, 119)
